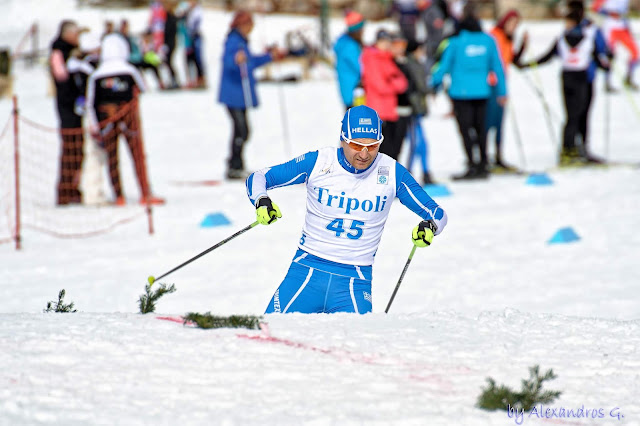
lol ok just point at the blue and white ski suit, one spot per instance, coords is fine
(346, 213)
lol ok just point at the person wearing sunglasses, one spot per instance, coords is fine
(350, 190)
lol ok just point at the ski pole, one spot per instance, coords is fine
(406, 266)
(151, 279)
(246, 86)
(516, 130)
(607, 120)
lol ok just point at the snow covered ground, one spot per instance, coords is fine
(489, 298)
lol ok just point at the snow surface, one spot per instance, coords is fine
(490, 297)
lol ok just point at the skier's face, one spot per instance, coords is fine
(361, 156)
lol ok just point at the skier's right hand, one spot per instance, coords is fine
(267, 211)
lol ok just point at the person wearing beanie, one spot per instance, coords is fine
(348, 48)
(577, 48)
(238, 86)
(350, 191)
(473, 62)
(383, 81)
(503, 34)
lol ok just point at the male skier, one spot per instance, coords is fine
(350, 190)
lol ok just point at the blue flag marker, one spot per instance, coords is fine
(214, 219)
(564, 235)
(540, 179)
(437, 190)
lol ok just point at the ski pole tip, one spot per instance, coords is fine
(151, 280)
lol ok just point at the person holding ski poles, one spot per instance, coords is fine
(350, 190)
(601, 49)
(238, 85)
(577, 48)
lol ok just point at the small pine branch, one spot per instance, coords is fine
(234, 321)
(501, 397)
(147, 301)
(59, 306)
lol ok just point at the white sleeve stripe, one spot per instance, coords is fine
(432, 213)
(295, 296)
(289, 182)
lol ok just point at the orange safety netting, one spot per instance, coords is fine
(70, 183)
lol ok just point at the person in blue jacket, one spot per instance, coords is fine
(238, 86)
(473, 63)
(348, 48)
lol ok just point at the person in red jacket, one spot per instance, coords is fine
(383, 81)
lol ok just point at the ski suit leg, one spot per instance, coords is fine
(348, 294)
(302, 290)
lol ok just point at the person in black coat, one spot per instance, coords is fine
(70, 123)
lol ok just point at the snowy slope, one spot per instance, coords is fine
(488, 298)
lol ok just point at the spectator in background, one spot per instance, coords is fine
(503, 34)
(408, 12)
(194, 50)
(404, 110)
(348, 48)
(112, 87)
(150, 59)
(383, 82)
(416, 59)
(164, 27)
(577, 48)
(238, 86)
(170, 34)
(108, 29)
(81, 65)
(67, 94)
(603, 50)
(617, 31)
(135, 54)
(434, 19)
(156, 24)
(470, 58)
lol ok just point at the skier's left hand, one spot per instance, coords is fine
(502, 101)
(422, 234)
(267, 211)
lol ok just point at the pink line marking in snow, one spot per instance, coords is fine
(172, 319)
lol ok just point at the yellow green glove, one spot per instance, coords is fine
(422, 234)
(267, 212)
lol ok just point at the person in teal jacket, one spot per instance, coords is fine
(472, 61)
(348, 49)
